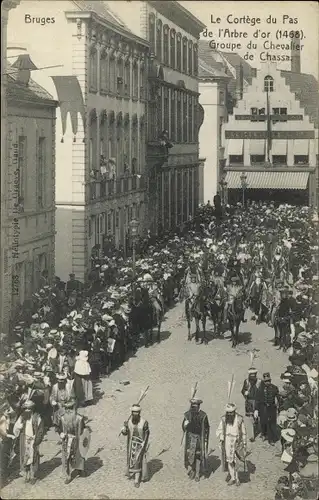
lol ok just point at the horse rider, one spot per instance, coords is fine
(153, 290)
(234, 290)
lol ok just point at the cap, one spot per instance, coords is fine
(60, 376)
(136, 408)
(230, 407)
(28, 405)
(292, 414)
(252, 371)
(195, 401)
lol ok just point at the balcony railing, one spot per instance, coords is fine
(101, 188)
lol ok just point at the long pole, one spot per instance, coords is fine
(243, 196)
(133, 266)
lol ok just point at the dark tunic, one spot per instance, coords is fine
(196, 438)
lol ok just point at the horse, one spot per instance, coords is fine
(196, 306)
(157, 314)
(235, 314)
(217, 306)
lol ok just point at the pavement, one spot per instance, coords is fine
(171, 370)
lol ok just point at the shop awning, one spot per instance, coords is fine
(257, 146)
(235, 147)
(301, 147)
(279, 147)
(268, 180)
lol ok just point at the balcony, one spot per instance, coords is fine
(106, 189)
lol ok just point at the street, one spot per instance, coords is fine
(170, 369)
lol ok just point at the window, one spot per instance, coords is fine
(279, 159)
(135, 80)
(40, 175)
(257, 159)
(179, 117)
(236, 159)
(93, 69)
(173, 115)
(275, 111)
(283, 112)
(166, 109)
(103, 71)
(127, 78)
(179, 52)
(159, 28)
(301, 160)
(254, 111)
(195, 60)
(142, 82)
(190, 57)
(166, 44)
(268, 84)
(22, 166)
(91, 154)
(185, 110)
(221, 98)
(112, 74)
(262, 111)
(152, 32)
(220, 138)
(190, 119)
(173, 48)
(185, 50)
(120, 76)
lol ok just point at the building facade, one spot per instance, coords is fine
(101, 126)
(272, 138)
(174, 113)
(29, 201)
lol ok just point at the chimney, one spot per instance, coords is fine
(239, 82)
(295, 57)
(24, 65)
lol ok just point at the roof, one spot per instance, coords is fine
(206, 71)
(20, 92)
(266, 179)
(225, 62)
(102, 9)
(179, 15)
(306, 88)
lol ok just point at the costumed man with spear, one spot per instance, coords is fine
(249, 391)
(137, 431)
(233, 439)
(196, 431)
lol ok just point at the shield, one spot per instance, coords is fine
(84, 442)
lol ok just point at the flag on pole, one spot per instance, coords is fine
(268, 128)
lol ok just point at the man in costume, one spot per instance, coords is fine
(266, 408)
(249, 391)
(30, 429)
(196, 428)
(233, 441)
(71, 427)
(62, 391)
(137, 432)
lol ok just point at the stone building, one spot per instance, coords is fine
(174, 114)
(29, 201)
(100, 83)
(271, 139)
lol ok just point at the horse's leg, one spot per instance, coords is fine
(204, 330)
(197, 328)
(159, 323)
(237, 332)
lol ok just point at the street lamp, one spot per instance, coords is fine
(223, 186)
(244, 185)
(134, 224)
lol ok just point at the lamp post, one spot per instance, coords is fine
(134, 232)
(244, 185)
(223, 186)
(315, 222)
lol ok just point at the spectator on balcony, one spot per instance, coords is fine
(126, 167)
(112, 169)
(103, 167)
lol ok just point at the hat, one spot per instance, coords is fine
(195, 401)
(252, 371)
(60, 376)
(230, 407)
(70, 403)
(28, 405)
(136, 408)
(266, 376)
(288, 435)
(18, 345)
(292, 414)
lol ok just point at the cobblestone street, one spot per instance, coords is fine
(170, 369)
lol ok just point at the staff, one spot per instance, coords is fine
(193, 395)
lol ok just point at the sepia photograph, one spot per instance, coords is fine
(159, 263)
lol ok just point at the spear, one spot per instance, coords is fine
(193, 395)
(142, 396)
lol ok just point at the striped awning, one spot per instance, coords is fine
(268, 180)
